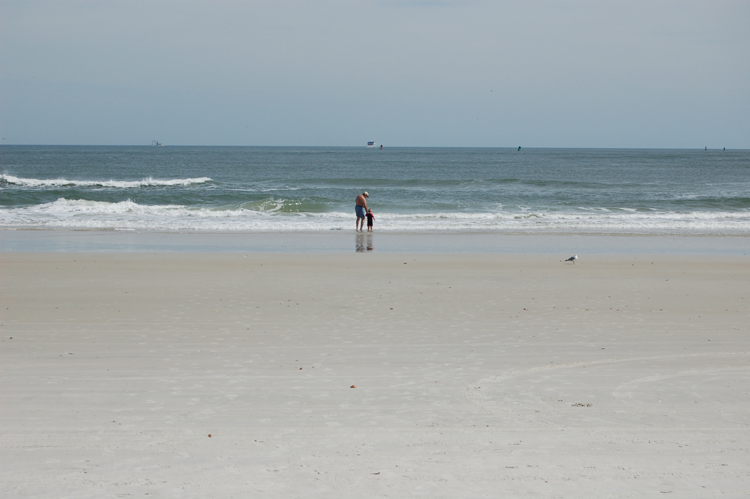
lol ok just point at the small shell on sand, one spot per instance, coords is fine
(353, 386)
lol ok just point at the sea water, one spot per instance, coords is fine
(419, 190)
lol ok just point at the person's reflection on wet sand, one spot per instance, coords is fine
(359, 243)
(370, 247)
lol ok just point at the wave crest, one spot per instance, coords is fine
(261, 217)
(117, 184)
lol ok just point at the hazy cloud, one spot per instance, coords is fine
(290, 72)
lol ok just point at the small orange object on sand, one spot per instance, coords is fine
(209, 435)
(353, 386)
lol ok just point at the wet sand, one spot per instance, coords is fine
(475, 375)
(124, 241)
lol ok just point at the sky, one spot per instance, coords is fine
(472, 73)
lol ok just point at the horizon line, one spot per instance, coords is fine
(704, 148)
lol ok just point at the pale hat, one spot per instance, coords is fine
(366, 194)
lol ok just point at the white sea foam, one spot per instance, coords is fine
(117, 184)
(82, 214)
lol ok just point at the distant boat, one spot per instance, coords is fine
(156, 143)
(371, 143)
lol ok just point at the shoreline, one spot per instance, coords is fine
(120, 241)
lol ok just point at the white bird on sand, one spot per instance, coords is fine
(572, 258)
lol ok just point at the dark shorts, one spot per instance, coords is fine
(360, 211)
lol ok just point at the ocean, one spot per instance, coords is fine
(412, 190)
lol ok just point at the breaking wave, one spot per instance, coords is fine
(7, 180)
(258, 217)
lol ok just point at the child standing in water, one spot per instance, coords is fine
(370, 220)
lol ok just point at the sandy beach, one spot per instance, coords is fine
(374, 375)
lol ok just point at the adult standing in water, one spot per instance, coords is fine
(360, 209)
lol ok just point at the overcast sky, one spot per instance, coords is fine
(400, 72)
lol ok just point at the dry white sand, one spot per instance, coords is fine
(476, 376)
